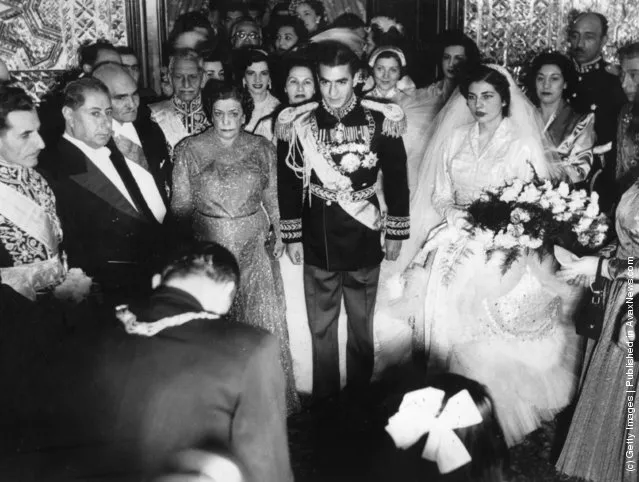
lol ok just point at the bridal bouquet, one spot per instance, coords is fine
(536, 215)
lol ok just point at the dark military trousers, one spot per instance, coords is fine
(323, 291)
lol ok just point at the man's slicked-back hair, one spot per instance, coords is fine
(13, 99)
(332, 54)
(88, 53)
(203, 258)
(75, 92)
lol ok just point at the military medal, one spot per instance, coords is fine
(338, 133)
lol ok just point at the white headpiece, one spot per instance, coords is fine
(397, 51)
(418, 415)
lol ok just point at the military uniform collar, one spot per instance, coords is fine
(187, 107)
(343, 111)
(597, 64)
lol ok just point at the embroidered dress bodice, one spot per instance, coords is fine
(23, 248)
(469, 169)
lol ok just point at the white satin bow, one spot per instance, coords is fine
(417, 416)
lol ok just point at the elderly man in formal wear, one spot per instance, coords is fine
(138, 138)
(30, 231)
(182, 115)
(111, 231)
(597, 90)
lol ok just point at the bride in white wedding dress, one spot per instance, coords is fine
(509, 330)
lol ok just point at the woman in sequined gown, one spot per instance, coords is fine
(598, 445)
(224, 184)
(507, 329)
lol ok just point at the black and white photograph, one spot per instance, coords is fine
(319, 240)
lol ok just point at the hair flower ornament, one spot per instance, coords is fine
(419, 414)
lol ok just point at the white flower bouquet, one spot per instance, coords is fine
(537, 215)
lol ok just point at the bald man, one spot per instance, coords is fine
(597, 89)
(137, 137)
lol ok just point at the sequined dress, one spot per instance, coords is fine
(229, 194)
(509, 331)
(602, 441)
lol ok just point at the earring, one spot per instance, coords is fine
(269, 86)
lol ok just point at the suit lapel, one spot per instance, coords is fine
(89, 177)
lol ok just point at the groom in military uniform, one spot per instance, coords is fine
(329, 158)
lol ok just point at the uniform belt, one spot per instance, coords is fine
(342, 196)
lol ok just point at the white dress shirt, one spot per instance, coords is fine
(144, 178)
(101, 158)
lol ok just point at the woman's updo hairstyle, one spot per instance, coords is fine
(483, 73)
(215, 90)
(550, 58)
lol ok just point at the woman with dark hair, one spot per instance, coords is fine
(457, 54)
(598, 443)
(311, 12)
(501, 327)
(289, 34)
(224, 187)
(481, 454)
(550, 79)
(301, 84)
(217, 67)
(255, 72)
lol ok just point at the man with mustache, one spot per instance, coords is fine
(598, 90)
(182, 115)
(138, 138)
(111, 232)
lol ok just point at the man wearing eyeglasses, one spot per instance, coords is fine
(246, 33)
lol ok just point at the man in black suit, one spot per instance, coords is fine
(172, 374)
(110, 231)
(138, 138)
(184, 373)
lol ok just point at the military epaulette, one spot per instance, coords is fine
(394, 118)
(284, 125)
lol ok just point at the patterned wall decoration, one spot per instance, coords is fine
(40, 37)
(508, 30)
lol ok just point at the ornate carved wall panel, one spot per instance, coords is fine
(508, 30)
(40, 37)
